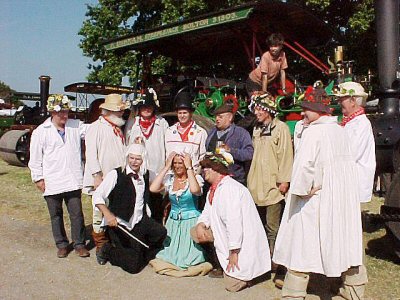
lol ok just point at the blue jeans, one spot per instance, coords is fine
(74, 206)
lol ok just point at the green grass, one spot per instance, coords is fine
(20, 199)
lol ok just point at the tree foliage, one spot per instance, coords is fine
(351, 19)
(5, 91)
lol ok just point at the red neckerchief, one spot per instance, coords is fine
(116, 129)
(357, 113)
(184, 131)
(147, 126)
(213, 188)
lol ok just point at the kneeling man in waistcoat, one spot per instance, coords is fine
(121, 199)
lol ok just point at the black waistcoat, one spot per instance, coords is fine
(123, 197)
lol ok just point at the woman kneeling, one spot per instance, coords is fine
(181, 256)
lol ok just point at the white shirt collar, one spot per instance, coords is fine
(128, 171)
(48, 122)
(325, 120)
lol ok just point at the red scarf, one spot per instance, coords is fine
(147, 126)
(347, 119)
(117, 130)
(184, 131)
(213, 188)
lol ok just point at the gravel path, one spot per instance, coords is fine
(30, 270)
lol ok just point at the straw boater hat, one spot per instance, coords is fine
(113, 102)
(58, 102)
(351, 89)
(316, 99)
(265, 102)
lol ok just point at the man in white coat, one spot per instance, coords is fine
(231, 220)
(56, 169)
(186, 136)
(105, 151)
(321, 229)
(352, 99)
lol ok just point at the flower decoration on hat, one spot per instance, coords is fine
(316, 95)
(141, 97)
(316, 99)
(152, 91)
(350, 88)
(265, 102)
(58, 102)
(226, 160)
(231, 99)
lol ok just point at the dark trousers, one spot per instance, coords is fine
(74, 206)
(252, 86)
(157, 205)
(129, 254)
(271, 217)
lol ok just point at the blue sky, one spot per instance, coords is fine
(40, 37)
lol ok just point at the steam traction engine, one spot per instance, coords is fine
(386, 124)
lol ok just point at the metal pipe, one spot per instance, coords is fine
(387, 31)
(44, 94)
(319, 62)
(306, 58)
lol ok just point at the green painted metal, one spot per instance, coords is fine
(206, 102)
(5, 123)
(181, 28)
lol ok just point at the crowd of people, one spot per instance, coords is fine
(238, 206)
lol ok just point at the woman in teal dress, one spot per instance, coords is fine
(183, 188)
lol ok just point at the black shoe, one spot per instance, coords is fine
(102, 255)
(280, 276)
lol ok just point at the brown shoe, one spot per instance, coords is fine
(62, 252)
(279, 280)
(82, 252)
(216, 273)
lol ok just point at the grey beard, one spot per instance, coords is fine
(116, 120)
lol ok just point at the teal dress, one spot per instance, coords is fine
(179, 248)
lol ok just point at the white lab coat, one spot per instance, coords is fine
(195, 146)
(105, 151)
(322, 233)
(235, 224)
(58, 163)
(362, 143)
(155, 144)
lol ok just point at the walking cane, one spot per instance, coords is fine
(132, 236)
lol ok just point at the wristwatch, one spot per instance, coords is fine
(190, 168)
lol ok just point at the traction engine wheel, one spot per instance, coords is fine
(14, 147)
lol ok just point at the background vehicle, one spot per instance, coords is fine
(228, 42)
(14, 143)
(213, 54)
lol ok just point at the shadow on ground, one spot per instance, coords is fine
(384, 248)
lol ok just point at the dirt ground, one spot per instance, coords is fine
(29, 268)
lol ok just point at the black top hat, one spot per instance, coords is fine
(148, 100)
(184, 100)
